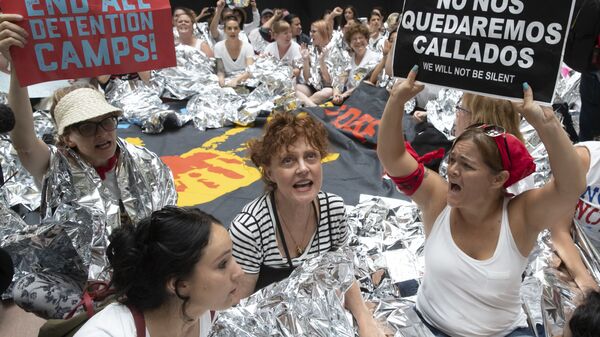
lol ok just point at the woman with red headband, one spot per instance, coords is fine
(477, 238)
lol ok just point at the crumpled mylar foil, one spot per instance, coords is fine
(81, 211)
(567, 88)
(389, 246)
(441, 112)
(20, 187)
(308, 303)
(34, 248)
(550, 295)
(202, 32)
(216, 107)
(143, 107)
(336, 60)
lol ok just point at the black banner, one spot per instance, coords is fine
(484, 46)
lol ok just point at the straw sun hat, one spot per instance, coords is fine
(81, 105)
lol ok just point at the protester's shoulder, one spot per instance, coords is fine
(137, 150)
(331, 198)
(115, 320)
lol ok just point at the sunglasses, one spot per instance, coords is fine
(88, 129)
(496, 132)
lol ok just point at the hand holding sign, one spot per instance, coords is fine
(85, 38)
(535, 114)
(403, 91)
(11, 34)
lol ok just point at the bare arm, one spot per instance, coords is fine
(214, 23)
(563, 242)
(431, 195)
(33, 152)
(387, 46)
(356, 305)
(329, 18)
(145, 76)
(323, 67)
(220, 71)
(205, 48)
(540, 207)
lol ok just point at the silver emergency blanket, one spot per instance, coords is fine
(217, 107)
(336, 60)
(385, 249)
(75, 201)
(202, 32)
(442, 111)
(358, 74)
(308, 303)
(20, 187)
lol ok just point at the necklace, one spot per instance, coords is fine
(299, 249)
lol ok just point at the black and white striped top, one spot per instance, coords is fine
(253, 233)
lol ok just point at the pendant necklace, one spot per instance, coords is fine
(299, 249)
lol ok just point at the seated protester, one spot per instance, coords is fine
(177, 11)
(379, 76)
(296, 24)
(284, 48)
(258, 42)
(362, 62)
(589, 155)
(221, 13)
(233, 56)
(350, 15)
(185, 30)
(172, 268)
(391, 23)
(317, 67)
(377, 38)
(294, 220)
(585, 321)
(477, 238)
(92, 179)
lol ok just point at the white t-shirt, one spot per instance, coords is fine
(587, 212)
(116, 321)
(230, 65)
(291, 56)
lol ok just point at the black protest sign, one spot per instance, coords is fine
(484, 46)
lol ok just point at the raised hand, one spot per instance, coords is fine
(532, 111)
(408, 88)
(11, 34)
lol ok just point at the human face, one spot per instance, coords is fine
(358, 43)
(296, 27)
(184, 24)
(215, 279)
(348, 14)
(375, 22)
(96, 149)
(316, 37)
(469, 177)
(176, 15)
(284, 38)
(297, 172)
(232, 29)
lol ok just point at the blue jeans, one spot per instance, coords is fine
(589, 117)
(518, 332)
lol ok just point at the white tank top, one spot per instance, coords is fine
(587, 213)
(462, 296)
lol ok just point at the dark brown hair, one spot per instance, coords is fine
(356, 28)
(486, 146)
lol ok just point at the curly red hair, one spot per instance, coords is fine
(281, 132)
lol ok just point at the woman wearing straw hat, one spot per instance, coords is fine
(92, 181)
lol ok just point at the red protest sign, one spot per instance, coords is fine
(85, 38)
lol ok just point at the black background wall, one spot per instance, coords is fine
(308, 10)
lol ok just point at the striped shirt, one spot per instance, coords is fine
(253, 233)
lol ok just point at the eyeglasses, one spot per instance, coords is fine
(88, 129)
(496, 132)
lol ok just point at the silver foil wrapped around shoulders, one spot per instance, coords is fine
(20, 187)
(336, 60)
(308, 303)
(75, 200)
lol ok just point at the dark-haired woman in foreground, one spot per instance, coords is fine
(477, 238)
(174, 267)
